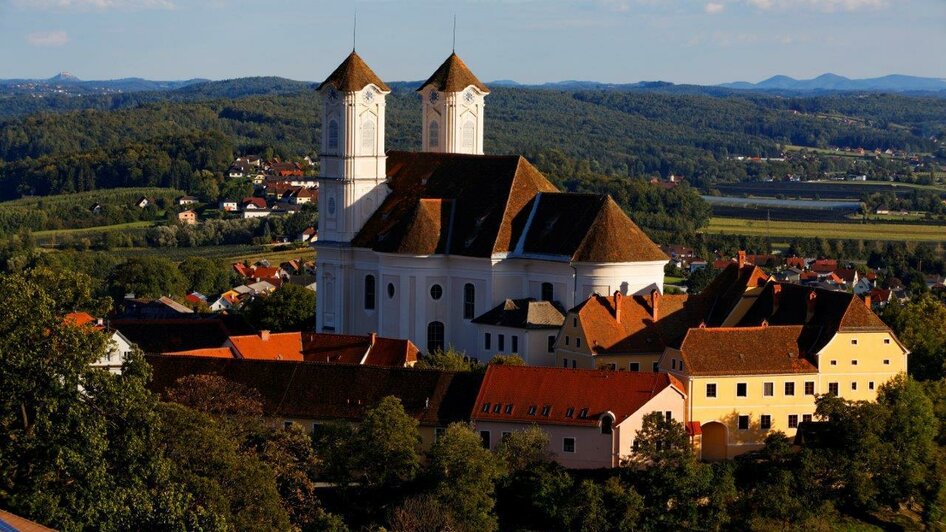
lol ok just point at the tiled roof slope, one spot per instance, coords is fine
(585, 228)
(635, 331)
(479, 197)
(170, 335)
(353, 75)
(725, 291)
(523, 314)
(453, 76)
(351, 349)
(744, 351)
(215, 352)
(566, 392)
(269, 346)
(312, 390)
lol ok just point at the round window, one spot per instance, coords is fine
(436, 291)
(390, 290)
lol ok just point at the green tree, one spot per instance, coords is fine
(701, 278)
(70, 291)
(921, 325)
(449, 359)
(384, 446)
(204, 275)
(524, 449)
(289, 308)
(217, 396)
(507, 360)
(145, 277)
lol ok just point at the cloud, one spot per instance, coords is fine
(714, 7)
(100, 5)
(821, 5)
(48, 38)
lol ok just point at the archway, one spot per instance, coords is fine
(715, 441)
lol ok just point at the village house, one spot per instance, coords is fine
(591, 417)
(228, 205)
(119, 347)
(523, 327)
(187, 200)
(187, 217)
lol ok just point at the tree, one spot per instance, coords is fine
(70, 291)
(289, 308)
(701, 278)
(384, 446)
(464, 476)
(204, 275)
(216, 396)
(145, 277)
(507, 360)
(524, 449)
(447, 360)
(921, 325)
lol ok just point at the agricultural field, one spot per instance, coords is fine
(222, 254)
(827, 190)
(830, 230)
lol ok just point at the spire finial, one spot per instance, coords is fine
(354, 30)
(454, 33)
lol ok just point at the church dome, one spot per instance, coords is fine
(453, 76)
(353, 75)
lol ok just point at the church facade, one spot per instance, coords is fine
(418, 245)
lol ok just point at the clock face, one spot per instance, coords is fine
(332, 94)
(369, 96)
(469, 97)
(434, 96)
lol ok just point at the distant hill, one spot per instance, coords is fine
(66, 83)
(834, 82)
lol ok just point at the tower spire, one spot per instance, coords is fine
(354, 30)
(454, 33)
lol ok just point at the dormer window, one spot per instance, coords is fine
(546, 410)
(532, 409)
(583, 414)
(508, 409)
(569, 412)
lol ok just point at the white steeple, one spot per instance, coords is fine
(453, 104)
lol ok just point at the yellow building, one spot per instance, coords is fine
(787, 346)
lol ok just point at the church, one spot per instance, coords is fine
(450, 246)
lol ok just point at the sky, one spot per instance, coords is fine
(530, 41)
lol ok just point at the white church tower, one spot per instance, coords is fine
(352, 179)
(353, 163)
(453, 102)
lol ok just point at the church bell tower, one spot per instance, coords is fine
(453, 100)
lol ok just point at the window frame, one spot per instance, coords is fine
(745, 389)
(715, 390)
(740, 418)
(469, 301)
(574, 445)
(789, 389)
(371, 292)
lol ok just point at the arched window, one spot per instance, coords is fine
(469, 301)
(433, 134)
(468, 131)
(367, 135)
(369, 292)
(606, 424)
(435, 336)
(548, 292)
(332, 135)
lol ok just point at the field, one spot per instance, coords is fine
(833, 190)
(87, 231)
(831, 230)
(223, 254)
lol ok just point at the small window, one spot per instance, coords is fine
(743, 422)
(565, 363)
(886, 361)
(793, 421)
(854, 385)
(497, 408)
(532, 410)
(485, 407)
(768, 389)
(546, 410)
(501, 343)
(515, 343)
(567, 339)
(509, 409)
(765, 422)
(634, 366)
(574, 322)
(607, 424)
(854, 362)
(834, 362)
(433, 134)
(673, 363)
(612, 367)
(742, 389)
(484, 436)
(548, 292)
(551, 346)
(668, 415)
(809, 388)
(711, 389)
(435, 336)
(369, 292)
(806, 418)
(574, 363)
(853, 341)
(569, 412)
(577, 341)
(886, 341)
(681, 365)
(487, 341)
(583, 414)
(833, 388)
(870, 385)
(656, 367)
(391, 291)
(469, 301)
(789, 388)
(436, 292)
(568, 445)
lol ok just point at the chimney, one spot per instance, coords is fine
(867, 301)
(372, 338)
(617, 306)
(812, 296)
(776, 296)
(654, 302)
(264, 335)
(741, 259)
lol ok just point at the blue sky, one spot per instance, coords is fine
(684, 41)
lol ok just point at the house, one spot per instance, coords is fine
(823, 267)
(187, 217)
(187, 200)
(789, 275)
(228, 205)
(864, 285)
(300, 196)
(369, 350)
(763, 371)
(847, 276)
(264, 287)
(253, 212)
(163, 307)
(312, 394)
(523, 327)
(799, 263)
(184, 333)
(591, 416)
(142, 202)
(196, 298)
(697, 265)
(251, 203)
(287, 169)
(119, 347)
(880, 297)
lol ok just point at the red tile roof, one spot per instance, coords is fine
(744, 351)
(214, 352)
(353, 75)
(259, 203)
(79, 318)
(824, 265)
(635, 332)
(567, 393)
(269, 346)
(453, 76)
(727, 289)
(369, 350)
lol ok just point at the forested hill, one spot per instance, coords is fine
(153, 139)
